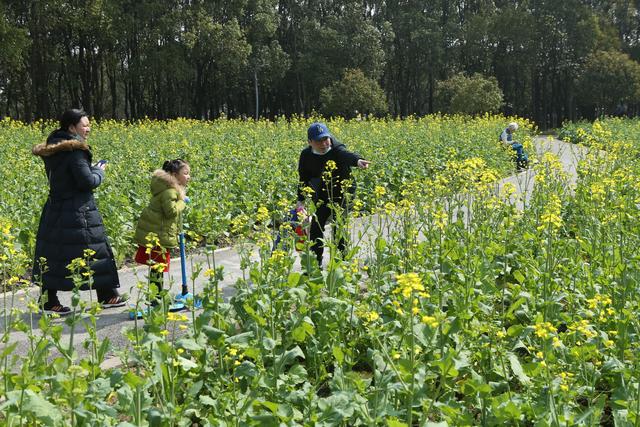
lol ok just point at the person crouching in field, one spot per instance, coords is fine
(70, 222)
(157, 229)
(324, 166)
(506, 137)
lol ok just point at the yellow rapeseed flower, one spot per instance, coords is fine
(263, 214)
(550, 218)
(429, 321)
(408, 283)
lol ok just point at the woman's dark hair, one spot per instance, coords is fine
(71, 117)
(173, 166)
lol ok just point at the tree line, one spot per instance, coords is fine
(128, 59)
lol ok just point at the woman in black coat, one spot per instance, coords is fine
(70, 221)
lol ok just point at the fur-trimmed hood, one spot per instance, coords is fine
(45, 149)
(59, 140)
(161, 180)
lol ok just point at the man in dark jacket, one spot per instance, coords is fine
(325, 171)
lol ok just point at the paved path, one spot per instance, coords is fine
(111, 322)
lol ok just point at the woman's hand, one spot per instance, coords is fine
(101, 164)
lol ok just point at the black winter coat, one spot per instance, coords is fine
(70, 221)
(311, 167)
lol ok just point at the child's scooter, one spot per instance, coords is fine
(184, 295)
(180, 301)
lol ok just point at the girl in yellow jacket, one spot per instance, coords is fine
(160, 218)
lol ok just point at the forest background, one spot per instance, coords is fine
(548, 60)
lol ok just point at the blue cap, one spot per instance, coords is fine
(317, 131)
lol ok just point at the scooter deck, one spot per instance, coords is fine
(139, 314)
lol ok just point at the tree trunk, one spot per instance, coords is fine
(255, 87)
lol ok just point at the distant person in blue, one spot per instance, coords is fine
(506, 137)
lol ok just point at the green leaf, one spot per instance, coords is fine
(516, 367)
(133, 380)
(515, 306)
(195, 388)
(462, 360)
(293, 279)
(308, 326)
(186, 363)
(299, 334)
(381, 244)
(298, 374)
(268, 343)
(253, 352)
(12, 398)
(189, 344)
(246, 370)
(45, 411)
(338, 354)
(104, 348)
(240, 339)
(394, 422)
(272, 406)
(518, 276)
(513, 410)
(8, 349)
(514, 331)
(100, 386)
(289, 357)
(212, 333)
(206, 400)
(255, 316)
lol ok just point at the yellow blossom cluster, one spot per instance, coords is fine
(356, 207)
(407, 284)
(177, 317)
(430, 321)
(550, 218)
(565, 380)
(77, 264)
(307, 191)
(379, 191)
(153, 241)
(441, 218)
(262, 215)
(371, 316)
(598, 300)
(549, 167)
(238, 223)
(583, 327)
(235, 355)
(602, 304)
(544, 329)
(597, 191)
(389, 208)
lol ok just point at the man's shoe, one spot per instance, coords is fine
(58, 309)
(116, 301)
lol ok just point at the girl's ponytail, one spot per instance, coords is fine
(173, 166)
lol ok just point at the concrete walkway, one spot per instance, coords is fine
(111, 322)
